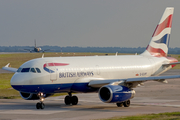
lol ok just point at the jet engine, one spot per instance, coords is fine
(115, 93)
(31, 96)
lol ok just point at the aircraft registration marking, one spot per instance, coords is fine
(141, 74)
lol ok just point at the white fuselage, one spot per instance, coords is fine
(83, 69)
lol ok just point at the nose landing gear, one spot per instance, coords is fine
(69, 99)
(40, 105)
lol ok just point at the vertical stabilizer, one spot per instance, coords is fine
(159, 43)
(35, 42)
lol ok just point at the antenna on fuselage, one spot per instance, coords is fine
(116, 53)
(42, 55)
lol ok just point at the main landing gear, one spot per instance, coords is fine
(126, 104)
(40, 105)
(69, 99)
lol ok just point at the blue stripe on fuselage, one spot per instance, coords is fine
(55, 88)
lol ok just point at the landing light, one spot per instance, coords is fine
(42, 99)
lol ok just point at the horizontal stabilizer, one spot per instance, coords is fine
(175, 63)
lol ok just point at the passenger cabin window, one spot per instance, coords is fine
(33, 70)
(25, 70)
(38, 70)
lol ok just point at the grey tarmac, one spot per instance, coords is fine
(152, 97)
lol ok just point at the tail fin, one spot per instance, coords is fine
(159, 43)
(35, 42)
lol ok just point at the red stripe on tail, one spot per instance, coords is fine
(165, 24)
(157, 52)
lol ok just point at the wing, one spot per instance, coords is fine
(9, 68)
(46, 50)
(29, 50)
(131, 82)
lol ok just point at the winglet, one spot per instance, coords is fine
(7, 65)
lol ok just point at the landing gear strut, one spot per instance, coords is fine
(69, 99)
(125, 103)
(40, 105)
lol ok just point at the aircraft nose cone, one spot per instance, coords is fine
(16, 81)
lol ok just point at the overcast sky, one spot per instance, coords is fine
(95, 23)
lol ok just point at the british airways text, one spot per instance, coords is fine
(75, 74)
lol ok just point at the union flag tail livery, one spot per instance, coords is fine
(159, 43)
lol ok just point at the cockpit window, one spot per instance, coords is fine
(25, 70)
(19, 70)
(33, 70)
(38, 70)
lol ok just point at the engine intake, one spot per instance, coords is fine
(31, 96)
(115, 93)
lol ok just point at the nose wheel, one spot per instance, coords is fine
(40, 105)
(69, 99)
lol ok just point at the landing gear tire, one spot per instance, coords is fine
(127, 103)
(71, 100)
(40, 105)
(119, 104)
(74, 100)
(67, 100)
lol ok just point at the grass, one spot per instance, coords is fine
(160, 116)
(5, 80)
(6, 91)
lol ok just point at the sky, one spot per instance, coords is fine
(83, 23)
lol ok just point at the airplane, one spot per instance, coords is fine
(113, 77)
(36, 49)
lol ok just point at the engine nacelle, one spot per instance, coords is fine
(30, 96)
(115, 93)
